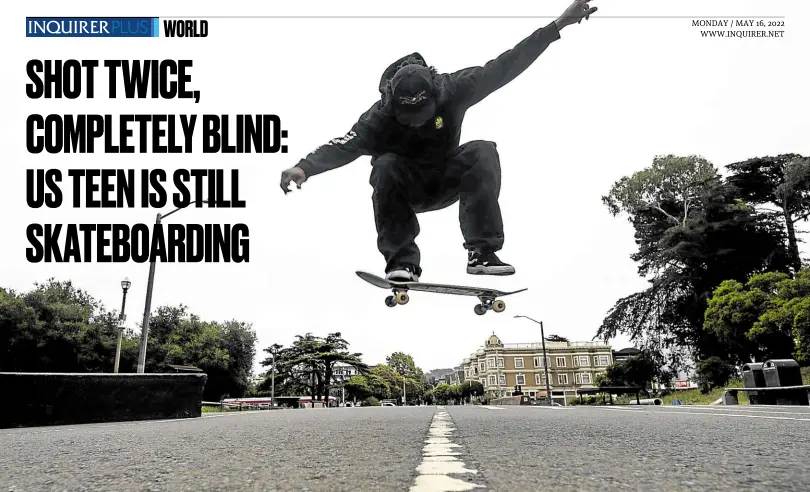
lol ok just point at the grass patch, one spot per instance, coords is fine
(215, 409)
(695, 397)
(692, 396)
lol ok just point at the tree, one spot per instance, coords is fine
(712, 373)
(454, 393)
(639, 370)
(403, 364)
(57, 327)
(692, 232)
(782, 181)
(335, 350)
(308, 364)
(429, 397)
(391, 378)
(287, 380)
(442, 393)
(471, 389)
(357, 388)
(225, 351)
(768, 317)
(238, 341)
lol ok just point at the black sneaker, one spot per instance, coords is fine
(402, 274)
(487, 263)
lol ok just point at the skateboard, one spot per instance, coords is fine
(488, 297)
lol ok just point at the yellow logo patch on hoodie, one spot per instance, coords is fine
(439, 122)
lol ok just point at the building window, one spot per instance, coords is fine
(490, 363)
(483, 381)
(600, 360)
(500, 361)
(492, 380)
(586, 378)
(502, 379)
(538, 361)
(521, 380)
(481, 366)
(518, 362)
(537, 379)
(531, 393)
(560, 361)
(562, 379)
(580, 360)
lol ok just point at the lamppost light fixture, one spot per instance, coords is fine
(125, 284)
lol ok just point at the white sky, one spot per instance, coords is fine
(599, 104)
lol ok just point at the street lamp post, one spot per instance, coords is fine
(149, 284)
(545, 358)
(273, 379)
(125, 284)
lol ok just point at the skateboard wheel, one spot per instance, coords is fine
(480, 309)
(402, 298)
(498, 306)
(390, 302)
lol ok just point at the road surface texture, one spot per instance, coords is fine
(681, 448)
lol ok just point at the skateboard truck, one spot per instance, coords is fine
(488, 303)
(400, 297)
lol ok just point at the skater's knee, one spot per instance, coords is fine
(484, 148)
(386, 166)
(387, 163)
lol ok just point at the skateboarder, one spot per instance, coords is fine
(412, 134)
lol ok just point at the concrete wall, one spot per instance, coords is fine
(32, 399)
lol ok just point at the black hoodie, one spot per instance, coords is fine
(378, 132)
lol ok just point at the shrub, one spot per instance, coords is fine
(371, 402)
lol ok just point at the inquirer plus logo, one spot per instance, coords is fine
(92, 27)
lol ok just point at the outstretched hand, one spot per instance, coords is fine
(575, 13)
(293, 174)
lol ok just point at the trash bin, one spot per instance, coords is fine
(754, 377)
(782, 372)
(785, 372)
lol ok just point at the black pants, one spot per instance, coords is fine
(471, 175)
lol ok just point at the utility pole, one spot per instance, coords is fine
(149, 284)
(403, 391)
(147, 309)
(545, 358)
(498, 374)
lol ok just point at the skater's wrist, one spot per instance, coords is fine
(301, 166)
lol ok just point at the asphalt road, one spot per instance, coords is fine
(422, 448)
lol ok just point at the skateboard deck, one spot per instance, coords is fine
(488, 297)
